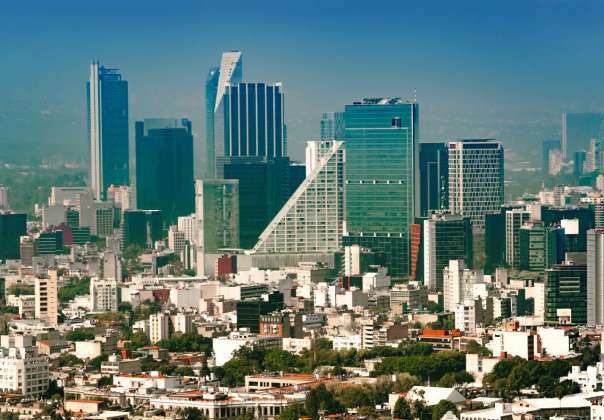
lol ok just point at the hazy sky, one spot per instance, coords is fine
(503, 69)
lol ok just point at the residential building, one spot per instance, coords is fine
(225, 347)
(159, 327)
(46, 295)
(405, 298)
(22, 370)
(381, 139)
(103, 295)
(167, 144)
(188, 225)
(475, 178)
(458, 284)
(446, 237)
(107, 96)
(176, 239)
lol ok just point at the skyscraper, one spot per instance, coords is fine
(164, 167)
(548, 146)
(12, 227)
(253, 121)
(475, 179)
(514, 219)
(107, 96)
(141, 227)
(540, 247)
(566, 288)
(230, 71)
(332, 126)
(578, 128)
(381, 136)
(433, 178)
(312, 220)
(217, 214)
(446, 237)
(595, 277)
(46, 298)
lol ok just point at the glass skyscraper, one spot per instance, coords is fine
(578, 128)
(433, 178)
(107, 98)
(164, 167)
(381, 136)
(230, 71)
(253, 120)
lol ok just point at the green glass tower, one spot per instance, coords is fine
(566, 288)
(381, 137)
(540, 247)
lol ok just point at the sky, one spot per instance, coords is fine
(502, 69)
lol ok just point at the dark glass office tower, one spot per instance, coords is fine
(12, 227)
(253, 120)
(381, 136)
(264, 186)
(209, 159)
(566, 288)
(107, 98)
(164, 167)
(433, 178)
(578, 128)
(141, 227)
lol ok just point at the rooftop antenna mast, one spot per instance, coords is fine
(414, 95)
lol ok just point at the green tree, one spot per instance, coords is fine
(81, 334)
(292, 412)
(402, 409)
(441, 409)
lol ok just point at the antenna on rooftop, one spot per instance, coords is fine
(414, 95)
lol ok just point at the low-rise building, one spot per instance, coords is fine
(22, 369)
(225, 347)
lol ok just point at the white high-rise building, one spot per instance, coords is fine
(159, 327)
(103, 295)
(458, 284)
(112, 266)
(46, 295)
(4, 198)
(22, 370)
(595, 277)
(176, 239)
(183, 322)
(188, 225)
(599, 211)
(312, 220)
(475, 179)
(514, 219)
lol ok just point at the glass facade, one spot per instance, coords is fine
(141, 227)
(164, 167)
(475, 179)
(253, 120)
(12, 227)
(217, 210)
(381, 135)
(107, 100)
(540, 247)
(433, 178)
(566, 288)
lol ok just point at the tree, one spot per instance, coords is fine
(81, 334)
(292, 412)
(474, 348)
(321, 399)
(402, 409)
(104, 381)
(441, 409)
(191, 413)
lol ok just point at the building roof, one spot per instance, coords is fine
(432, 395)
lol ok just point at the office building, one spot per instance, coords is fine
(104, 219)
(593, 159)
(433, 178)
(12, 227)
(381, 137)
(540, 247)
(49, 242)
(264, 187)
(253, 121)
(580, 158)
(176, 239)
(548, 147)
(514, 219)
(494, 240)
(578, 128)
(217, 214)
(24, 371)
(567, 292)
(475, 179)
(595, 277)
(103, 295)
(26, 250)
(312, 220)
(446, 237)
(249, 310)
(46, 295)
(107, 96)
(164, 167)
(230, 71)
(332, 126)
(576, 221)
(142, 228)
(159, 327)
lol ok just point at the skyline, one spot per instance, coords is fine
(517, 94)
